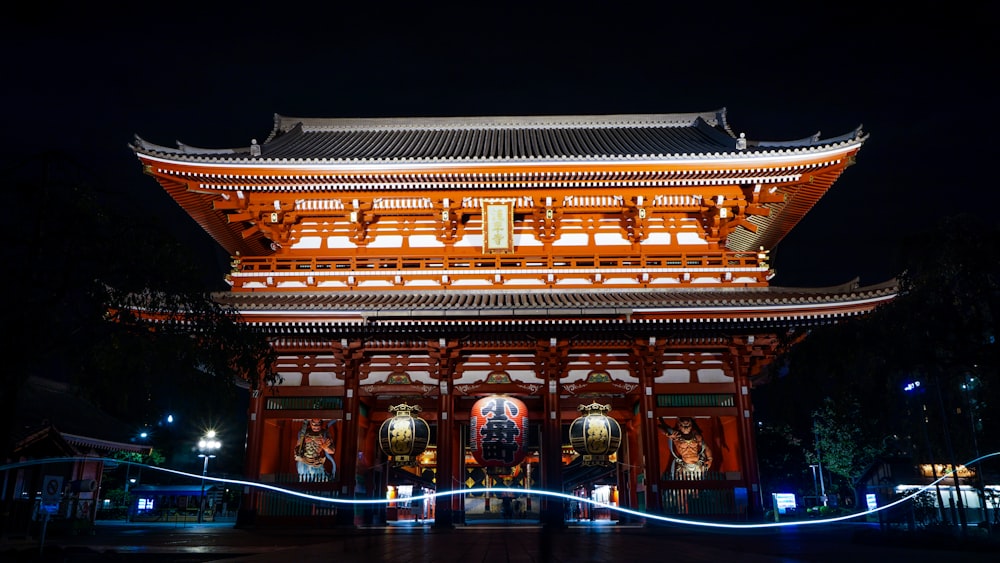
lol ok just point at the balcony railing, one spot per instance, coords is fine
(608, 270)
(304, 403)
(696, 400)
(705, 502)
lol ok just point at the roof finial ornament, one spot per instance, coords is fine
(254, 148)
(741, 143)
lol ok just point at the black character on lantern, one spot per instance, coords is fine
(500, 433)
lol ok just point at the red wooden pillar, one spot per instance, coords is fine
(552, 508)
(634, 452)
(749, 443)
(650, 432)
(255, 437)
(351, 444)
(446, 452)
(255, 431)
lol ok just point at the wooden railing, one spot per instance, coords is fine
(304, 403)
(696, 400)
(606, 270)
(704, 502)
(698, 259)
(295, 478)
(270, 504)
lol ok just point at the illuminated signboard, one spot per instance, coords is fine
(783, 502)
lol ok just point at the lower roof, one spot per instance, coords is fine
(690, 304)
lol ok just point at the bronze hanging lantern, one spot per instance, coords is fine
(595, 435)
(404, 436)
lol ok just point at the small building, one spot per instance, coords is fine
(78, 464)
(939, 498)
(174, 503)
(57, 425)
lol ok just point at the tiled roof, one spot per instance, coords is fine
(537, 303)
(494, 138)
(88, 443)
(42, 402)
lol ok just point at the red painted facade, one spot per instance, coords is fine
(556, 260)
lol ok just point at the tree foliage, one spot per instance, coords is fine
(781, 457)
(842, 388)
(838, 431)
(943, 331)
(154, 457)
(82, 271)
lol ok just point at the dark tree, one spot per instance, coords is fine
(940, 330)
(943, 331)
(107, 300)
(781, 456)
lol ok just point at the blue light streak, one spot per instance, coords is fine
(480, 490)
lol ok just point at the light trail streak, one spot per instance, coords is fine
(501, 490)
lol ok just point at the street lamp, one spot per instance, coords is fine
(206, 445)
(815, 483)
(819, 467)
(969, 385)
(914, 387)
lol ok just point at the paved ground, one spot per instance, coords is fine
(494, 542)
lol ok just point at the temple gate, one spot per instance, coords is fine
(560, 260)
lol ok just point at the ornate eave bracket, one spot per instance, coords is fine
(635, 221)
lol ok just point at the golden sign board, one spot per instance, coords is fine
(498, 226)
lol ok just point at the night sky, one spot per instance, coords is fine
(917, 77)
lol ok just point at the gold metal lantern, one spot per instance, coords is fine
(404, 436)
(595, 435)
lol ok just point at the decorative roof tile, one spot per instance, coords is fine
(541, 303)
(525, 138)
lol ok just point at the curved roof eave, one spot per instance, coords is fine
(771, 157)
(305, 144)
(321, 308)
(142, 146)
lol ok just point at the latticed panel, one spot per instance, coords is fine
(304, 403)
(277, 504)
(703, 502)
(697, 400)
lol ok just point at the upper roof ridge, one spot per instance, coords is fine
(696, 135)
(182, 148)
(714, 118)
(815, 139)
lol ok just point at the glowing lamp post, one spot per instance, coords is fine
(206, 445)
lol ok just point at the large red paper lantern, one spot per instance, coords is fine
(498, 428)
